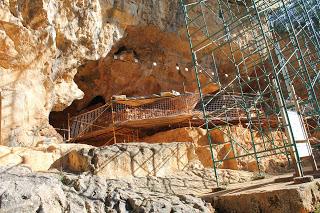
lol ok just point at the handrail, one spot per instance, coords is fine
(88, 112)
(88, 124)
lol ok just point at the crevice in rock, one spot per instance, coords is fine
(120, 50)
(96, 102)
(40, 209)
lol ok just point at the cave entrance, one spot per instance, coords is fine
(95, 102)
(59, 120)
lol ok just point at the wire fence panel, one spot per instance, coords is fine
(164, 107)
(88, 122)
(119, 112)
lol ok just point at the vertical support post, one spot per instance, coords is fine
(281, 101)
(301, 60)
(238, 74)
(113, 127)
(69, 129)
(195, 62)
(137, 131)
(293, 149)
(298, 109)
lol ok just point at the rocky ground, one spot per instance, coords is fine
(277, 194)
(22, 190)
(134, 177)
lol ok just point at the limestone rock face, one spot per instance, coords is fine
(195, 135)
(121, 178)
(265, 197)
(138, 162)
(40, 158)
(42, 43)
(127, 160)
(116, 161)
(26, 191)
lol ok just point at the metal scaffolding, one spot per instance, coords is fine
(122, 118)
(267, 50)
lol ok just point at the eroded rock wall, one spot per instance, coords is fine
(145, 61)
(132, 160)
(223, 149)
(42, 43)
(116, 161)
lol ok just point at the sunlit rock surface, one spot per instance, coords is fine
(42, 43)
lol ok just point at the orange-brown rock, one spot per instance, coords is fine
(222, 148)
(146, 61)
(40, 158)
(194, 135)
(316, 134)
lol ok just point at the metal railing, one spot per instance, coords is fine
(88, 122)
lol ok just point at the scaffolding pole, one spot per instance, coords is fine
(271, 48)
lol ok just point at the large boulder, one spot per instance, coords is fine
(132, 160)
(40, 158)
